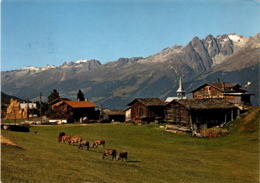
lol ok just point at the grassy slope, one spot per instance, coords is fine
(154, 155)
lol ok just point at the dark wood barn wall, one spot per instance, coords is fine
(177, 113)
(138, 110)
(207, 92)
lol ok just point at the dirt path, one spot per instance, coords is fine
(7, 141)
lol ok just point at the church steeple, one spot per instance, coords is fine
(180, 92)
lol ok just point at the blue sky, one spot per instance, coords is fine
(41, 32)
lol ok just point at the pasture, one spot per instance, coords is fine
(153, 155)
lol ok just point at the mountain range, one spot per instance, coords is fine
(229, 58)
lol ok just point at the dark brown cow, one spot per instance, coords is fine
(84, 143)
(122, 156)
(75, 139)
(61, 134)
(109, 152)
(96, 143)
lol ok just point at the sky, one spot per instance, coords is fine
(41, 32)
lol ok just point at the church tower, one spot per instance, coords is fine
(180, 92)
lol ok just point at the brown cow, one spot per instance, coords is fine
(96, 143)
(75, 139)
(109, 152)
(61, 134)
(65, 139)
(122, 156)
(84, 143)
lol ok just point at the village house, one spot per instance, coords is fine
(127, 114)
(232, 92)
(18, 110)
(113, 115)
(199, 114)
(32, 108)
(79, 110)
(147, 109)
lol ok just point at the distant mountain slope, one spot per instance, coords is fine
(5, 99)
(30, 81)
(116, 83)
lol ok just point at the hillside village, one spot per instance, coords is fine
(210, 105)
(130, 91)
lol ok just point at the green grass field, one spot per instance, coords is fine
(13, 120)
(154, 155)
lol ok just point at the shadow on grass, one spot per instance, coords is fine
(132, 161)
(109, 162)
(96, 151)
(12, 146)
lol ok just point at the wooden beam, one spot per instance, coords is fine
(238, 113)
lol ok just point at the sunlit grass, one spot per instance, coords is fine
(154, 155)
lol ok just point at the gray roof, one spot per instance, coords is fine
(149, 101)
(208, 103)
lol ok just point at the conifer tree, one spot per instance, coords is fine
(80, 96)
(53, 96)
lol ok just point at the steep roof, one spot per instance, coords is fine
(57, 100)
(148, 101)
(113, 112)
(169, 99)
(208, 103)
(180, 89)
(77, 104)
(224, 87)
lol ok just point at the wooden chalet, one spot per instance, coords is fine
(197, 114)
(146, 109)
(232, 92)
(114, 115)
(79, 109)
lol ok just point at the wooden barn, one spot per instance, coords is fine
(232, 92)
(114, 115)
(146, 109)
(198, 114)
(79, 109)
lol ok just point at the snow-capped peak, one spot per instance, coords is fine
(234, 37)
(238, 41)
(31, 68)
(81, 61)
(48, 67)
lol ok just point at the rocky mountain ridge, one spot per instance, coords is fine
(213, 48)
(115, 83)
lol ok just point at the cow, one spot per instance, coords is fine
(96, 143)
(84, 143)
(109, 152)
(122, 156)
(61, 134)
(65, 139)
(75, 139)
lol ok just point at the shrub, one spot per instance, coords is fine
(214, 132)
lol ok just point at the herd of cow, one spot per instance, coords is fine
(77, 140)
